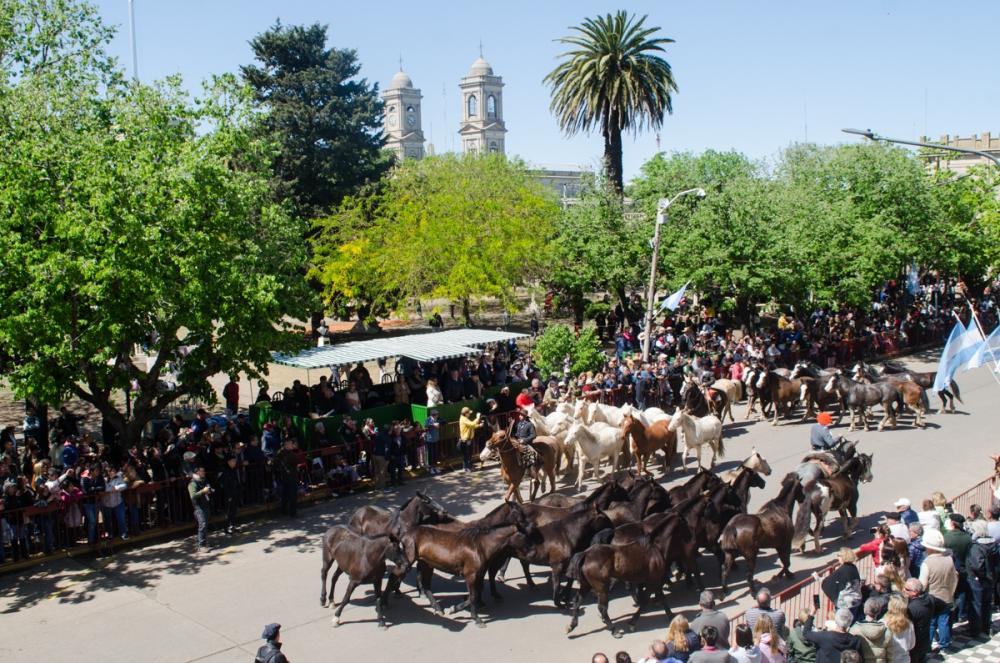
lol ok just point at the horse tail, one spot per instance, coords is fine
(802, 521)
(603, 537)
(727, 541)
(720, 445)
(575, 564)
(924, 400)
(954, 391)
(900, 403)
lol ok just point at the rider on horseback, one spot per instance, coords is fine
(524, 432)
(820, 437)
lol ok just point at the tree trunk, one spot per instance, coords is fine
(626, 305)
(578, 308)
(613, 157)
(466, 313)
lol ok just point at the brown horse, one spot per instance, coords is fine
(510, 451)
(914, 395)
(647, 439)
(771, 527)
(784, 393)
(466, 552)
(363, 559)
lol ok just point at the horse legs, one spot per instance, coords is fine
(582, 463)
(327, 563)
(552, 480)
(577, 600)
(380, 601)
(727, 566)
(343, 603)
(333, 583)
(751, 569)
(602, 609)
(845, 520)
(642, 594)
(424, 575)
(494, 567)
(785, 555)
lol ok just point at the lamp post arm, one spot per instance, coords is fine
(916, 143)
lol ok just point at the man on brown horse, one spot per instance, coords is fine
(524, 432)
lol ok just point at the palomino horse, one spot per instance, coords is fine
(555, 425)
(594, 442)
(838, 493)
(510, 451)
(363, 560)
(698, 433)
(646, 440)
(734, 392)
(771, 527)
(859, 397)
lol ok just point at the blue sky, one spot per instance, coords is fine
(753, 76)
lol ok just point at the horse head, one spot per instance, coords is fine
(518, 518)
(762, 380)
(799, 367)
(432, 510)
(757, 463)
(866, 467)
(831, 384)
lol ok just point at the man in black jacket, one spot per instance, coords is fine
(270, 651)
(981, 572)
(921, 610)
(232, 490)
(830, 644)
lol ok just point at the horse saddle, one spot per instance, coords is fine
(826, 461)
(527, 455)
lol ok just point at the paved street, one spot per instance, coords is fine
(163, 603)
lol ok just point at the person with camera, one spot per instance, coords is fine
(199, 490)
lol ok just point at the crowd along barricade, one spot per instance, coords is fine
(799, 597)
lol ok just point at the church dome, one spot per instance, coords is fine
(481, 68)
(400, 80)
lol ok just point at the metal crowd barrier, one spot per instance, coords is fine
(799, 596)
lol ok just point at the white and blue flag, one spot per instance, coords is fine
(962, 345)
(913, 280)
(988, 350)
(674, 300)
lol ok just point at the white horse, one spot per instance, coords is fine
(594, 442)
(555, 425)
(589, 413)
(698, 433)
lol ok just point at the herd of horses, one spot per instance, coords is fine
(630, 529)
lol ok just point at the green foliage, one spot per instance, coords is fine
(558, 342)
(326, 121)
(596, 308)
(612, 79)
(449, 226)
(123, 222)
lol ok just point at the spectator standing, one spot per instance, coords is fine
(112, 504)
(876, 640)
(993, 523)
(286, 470)
(900, 628)
(928, 516)
(800, 650)
(92, 485)
(432, 434)
(380, 453)
(709, 616)
(843, 586)
(981, 567)
(830, 643)
(938, 575)
(434, 396)
(199, 490)
(958, 541)
(772, 648)
(906, 513)
(709, 652)
(232, 489)
(467, 426)
(915, 548)
(397, 455)
(763, 607)
(921, 608)
(681, 641)
(744, 651)
(231, 395)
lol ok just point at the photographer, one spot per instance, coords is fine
(199, 490)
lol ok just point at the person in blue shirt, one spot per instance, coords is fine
(820, 437)
(906, 514)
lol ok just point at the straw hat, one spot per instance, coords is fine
(934, 540)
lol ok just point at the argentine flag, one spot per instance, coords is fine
(988, 351)
(674, 300)
(962, 345)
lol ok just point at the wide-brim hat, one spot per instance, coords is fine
(934, 540)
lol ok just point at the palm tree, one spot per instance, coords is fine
(613, 78)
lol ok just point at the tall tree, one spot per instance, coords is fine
(326, 120)
(448, 226)
(123, 222)
(613, 79)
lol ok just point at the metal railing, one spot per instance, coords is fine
(792, 600)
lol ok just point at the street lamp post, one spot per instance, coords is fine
(661, 216)
(871, 135)
(131, 32)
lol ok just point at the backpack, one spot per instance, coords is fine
(850, 596)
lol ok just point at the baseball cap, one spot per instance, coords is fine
(902, 501)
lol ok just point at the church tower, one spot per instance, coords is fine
(481, 128)
(403, 134)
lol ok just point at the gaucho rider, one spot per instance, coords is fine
(524, 433)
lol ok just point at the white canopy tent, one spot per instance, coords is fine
(430, 346)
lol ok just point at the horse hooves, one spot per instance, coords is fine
(630, 628)
(500, 578)
(480, 624)
(382, 626)
(617, 635)
(569, 629)
(336, 622)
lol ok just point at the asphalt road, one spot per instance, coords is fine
(165, 603)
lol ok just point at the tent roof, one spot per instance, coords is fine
(431, 346)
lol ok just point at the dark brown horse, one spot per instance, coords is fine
(770, 527)
(925, 380)
(838, 492)
(646, 440)
(373, 520)
(363, 559)
(466, 552)
(701, 401)
(510, 452)
(641, 563)
(702, 480)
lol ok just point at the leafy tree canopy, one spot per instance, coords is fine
(449, 226)
(326, 120)
(558, 342)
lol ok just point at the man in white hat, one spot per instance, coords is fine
(896, 528)
(939, 577)
(905, 511)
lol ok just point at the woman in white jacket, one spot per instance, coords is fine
(901, 628)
